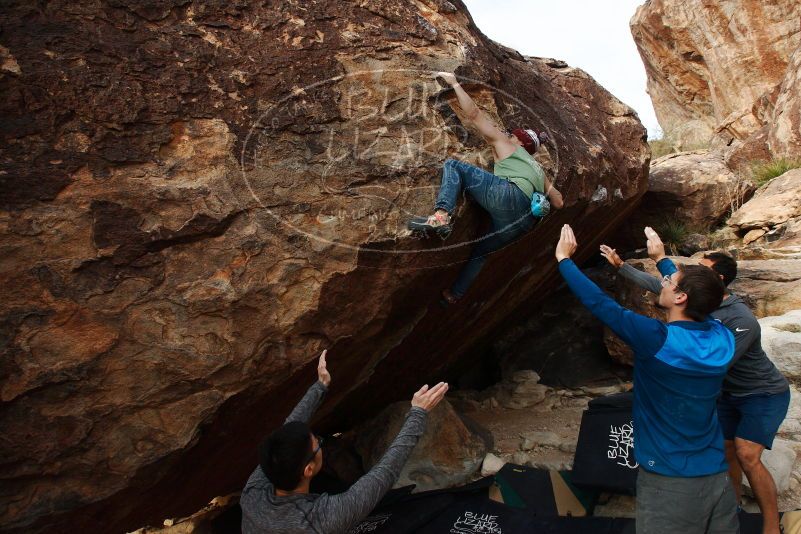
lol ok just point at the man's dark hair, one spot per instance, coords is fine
(704, 290)
(724, 265)
(284, 454)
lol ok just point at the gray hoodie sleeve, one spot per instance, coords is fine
(338, 513)
(308, 404)
(642, 279)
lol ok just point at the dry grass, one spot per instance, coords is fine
(765, 172)
(667, 144)
(736, 191)
(661, 147)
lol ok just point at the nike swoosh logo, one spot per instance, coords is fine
(741, 329)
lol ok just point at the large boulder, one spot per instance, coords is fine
(198, 197)
(791, 426)
(781, 339)
(716, 67)
(742, 156)
(770, 287)
(779, 461)
(775, 205)
(695, 187)
(449, 453)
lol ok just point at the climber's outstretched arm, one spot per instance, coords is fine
(473, 115)
(338, 513)
(314, 396)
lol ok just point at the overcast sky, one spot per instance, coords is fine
(589, 34)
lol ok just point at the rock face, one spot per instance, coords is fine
(559, 338)
(741, 156)
(791, 426)
(719, 67)
(197, 198)
(774, 209)
(784, 134)
(770, 287)
(779, 461)
(448, 454)
(781, 339)
(694, 187)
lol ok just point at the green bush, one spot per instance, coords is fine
(673, 233)
(765, 172)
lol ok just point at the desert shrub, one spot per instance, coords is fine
(667, 144)
(661, 147)
(673, 233)
(767, 171)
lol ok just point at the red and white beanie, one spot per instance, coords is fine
(530, 139)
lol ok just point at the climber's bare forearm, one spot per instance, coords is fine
(555, 198)
(471, 110)
(553, 194)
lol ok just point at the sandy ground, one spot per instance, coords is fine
(561, 412)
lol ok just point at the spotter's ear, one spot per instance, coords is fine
(308, 471)
(680, 298)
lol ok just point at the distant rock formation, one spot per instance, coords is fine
(694, 188)
(722, 70)
(199, 197)
(776, 208)
(784, 128)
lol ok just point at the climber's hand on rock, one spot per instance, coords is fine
(567, 244)
(449, 77)
(428, 399)
(656, 249)
(322, 371)
(611, 256)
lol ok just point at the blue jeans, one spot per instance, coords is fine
(507, 205)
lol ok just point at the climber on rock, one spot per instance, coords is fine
(276, 497)
(755, 395)
(516, 194)
(679, 366)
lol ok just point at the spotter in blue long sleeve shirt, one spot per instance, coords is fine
(678, 371)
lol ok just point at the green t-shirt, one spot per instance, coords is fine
(523, 171)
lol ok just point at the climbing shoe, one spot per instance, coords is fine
(435, 224)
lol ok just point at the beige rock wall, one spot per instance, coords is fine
(715, 67)
(784, 137)
(695, 188)
(774, 204)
